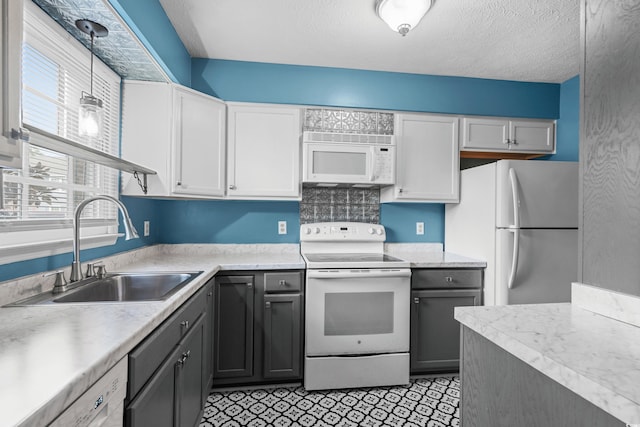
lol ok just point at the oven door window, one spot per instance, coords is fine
(358, 313)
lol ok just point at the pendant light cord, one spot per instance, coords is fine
(92, 36)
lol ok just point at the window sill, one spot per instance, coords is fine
(23, 252)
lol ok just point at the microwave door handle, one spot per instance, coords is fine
(372, 163)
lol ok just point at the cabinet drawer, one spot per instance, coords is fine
(283, 282)
(148, 355)
(446, 278)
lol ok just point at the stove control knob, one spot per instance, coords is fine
(307, 230)
(379, 231)
(371, 230)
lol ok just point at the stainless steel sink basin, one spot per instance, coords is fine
(118, 287)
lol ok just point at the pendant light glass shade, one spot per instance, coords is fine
(402, 15)
(90, 116)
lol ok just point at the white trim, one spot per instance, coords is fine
(22, 252)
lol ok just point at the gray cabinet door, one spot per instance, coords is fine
(155, 404)
(189, 375)
(435, 334)
(209, 342)
(233, 325)
(282, 340)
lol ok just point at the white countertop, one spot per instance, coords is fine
(50, 354)
(430, 255)
(594, 356)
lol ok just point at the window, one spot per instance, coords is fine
(39, 199)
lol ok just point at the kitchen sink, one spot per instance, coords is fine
(117, 287)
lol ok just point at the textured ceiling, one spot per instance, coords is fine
(524, 40)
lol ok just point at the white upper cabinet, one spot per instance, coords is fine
(263, 151)
(504, 135)
(178, 132)
(428, 165)
(199, 144)
(10, 87)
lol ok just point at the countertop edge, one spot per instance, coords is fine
(559, 372)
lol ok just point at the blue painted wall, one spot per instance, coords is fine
(225, 221)
(339, 87)
(150, 23)
(568, 125)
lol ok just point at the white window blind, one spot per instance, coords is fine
(40, 199)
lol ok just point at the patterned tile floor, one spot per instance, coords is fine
(431, 402)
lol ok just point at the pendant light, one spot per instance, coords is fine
(402, 15)
(90, 113)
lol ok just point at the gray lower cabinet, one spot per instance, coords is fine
(233, 336)
(258, 327)
(167, 383)
(500, 390)
(282, 336)
(209, 345)
(435, 334)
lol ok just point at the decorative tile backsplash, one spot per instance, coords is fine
(348, 121)
(321, 204)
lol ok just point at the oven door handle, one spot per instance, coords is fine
(350, 274)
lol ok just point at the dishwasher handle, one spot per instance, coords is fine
(358, 273)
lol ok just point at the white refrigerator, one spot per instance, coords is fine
(521, 217)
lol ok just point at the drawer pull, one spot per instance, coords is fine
(448, 279)
(185, 324)
(267, 305)
(283, 282)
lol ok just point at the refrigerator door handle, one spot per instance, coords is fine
(515, 192)
(514, 258)
(515, 228)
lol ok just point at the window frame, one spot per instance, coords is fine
(29, 239)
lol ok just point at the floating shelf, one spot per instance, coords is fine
(79, 151)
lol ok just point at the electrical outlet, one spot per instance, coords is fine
(282, 227)
(146, 228)
(419, 228)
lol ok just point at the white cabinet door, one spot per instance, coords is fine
(485, 134)
(263, 151)
(179, 133)
(198, 144)
(531, 136)
(10, 63)
(427, 162)
(505, 135)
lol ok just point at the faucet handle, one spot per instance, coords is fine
(100, 270)
(60, 284)
(90, 270)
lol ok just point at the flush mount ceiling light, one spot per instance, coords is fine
(402, 15)
(91, 112)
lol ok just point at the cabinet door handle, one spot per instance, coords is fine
(267, 305)
(232, 187)
(210, 293)
(249, 285)
(185, 324)
(506, 141)
(513, 141)
(416, 300)
(179, 183)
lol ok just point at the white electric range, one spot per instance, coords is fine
(356, 309)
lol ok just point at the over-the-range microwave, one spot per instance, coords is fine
(355, 159)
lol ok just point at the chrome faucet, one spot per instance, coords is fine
(129, 231)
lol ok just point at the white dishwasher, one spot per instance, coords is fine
(100, 406)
